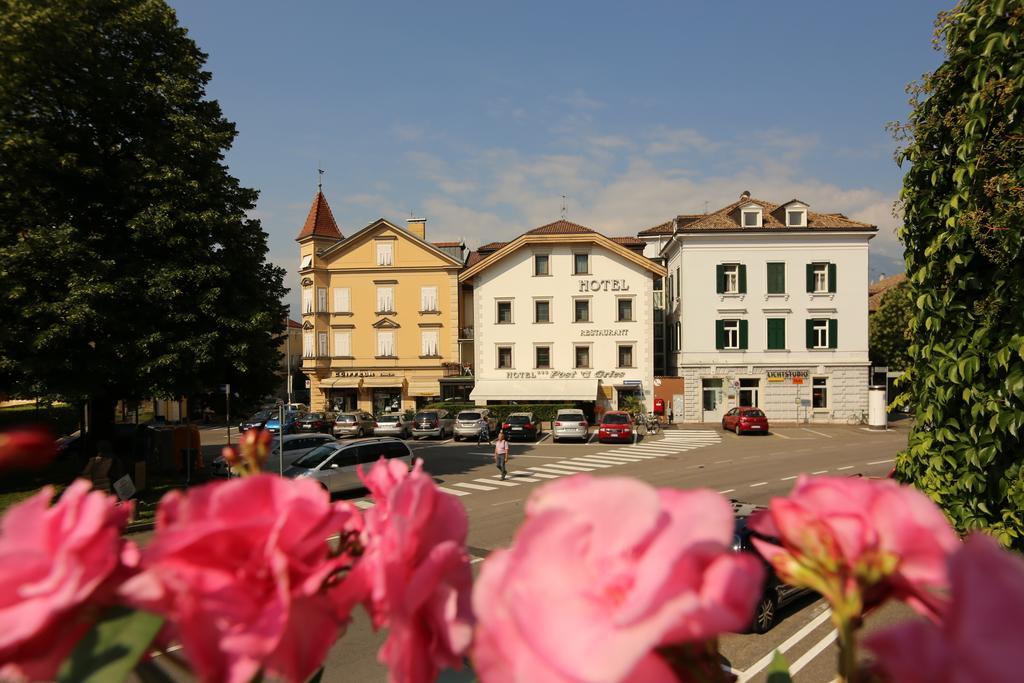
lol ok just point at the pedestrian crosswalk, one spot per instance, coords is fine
(673, 442)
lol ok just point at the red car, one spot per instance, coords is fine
(616, 425)
(742, 420)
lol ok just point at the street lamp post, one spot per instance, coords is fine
(288, 352)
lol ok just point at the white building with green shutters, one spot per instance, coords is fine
(768, 308)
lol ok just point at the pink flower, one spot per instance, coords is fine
(59, 566)
(859, 540)
(417, 570)
(980, 635)
(602, 573)
(239, 569)
(27, 448)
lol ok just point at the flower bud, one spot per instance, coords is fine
(27, 448)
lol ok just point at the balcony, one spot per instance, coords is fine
(457, 370)
(465, 333)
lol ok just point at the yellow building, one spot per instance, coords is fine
(379, 313)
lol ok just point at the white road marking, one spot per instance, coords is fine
(785, 646)
(781, 436)
(475, 487)
(521, 474)
(364, 504)
(577, 462)
(571, 468)
(760, 483)
(596, 463)
(513, 475)
(809, 656)
(820, 472)
(621, 453)
(727, 491)
(454, 492)
(827, 436)
(788, 478)
(547, 470)
(615, 458)
(719, 462)
(882, 462)
(506, 502)
(546, 435)
(845, 467)
(499, 482)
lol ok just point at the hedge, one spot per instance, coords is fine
(62, 419)
(544, 412)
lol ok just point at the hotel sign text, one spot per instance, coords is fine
(603, 285)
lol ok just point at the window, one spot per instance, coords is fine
(821, 278)
(776, 334)
(504, 313)
(428, 299)
(428, 343)
(748, 392)
(385, 343)
(819, 392)
(321, 299)
(731, 278)
(751, 218)
(342, 300)
(582, 356)
(822, 333)
(307, 262)
(504, 357)
(679, 336)
(581, 310)
(307, 344)
(581, 264)
(730, 334)
(796, 218)
(343, 344)
(385, 251)
(671, 292)
(624, 309)
(307, 300)
(541, 311)
(776, 278)
(321, 347)
(385, 300)
(625, 355)
(541, 264)
(542, 357)
(677, 283)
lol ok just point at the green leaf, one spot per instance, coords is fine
(112, 648)
(778, 670)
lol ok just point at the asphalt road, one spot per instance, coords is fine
(751, 468)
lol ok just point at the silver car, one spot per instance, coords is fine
(437, 423)
(355, 423)
(334, 465)
(467, 424)
(392, 425)
(295, 446)
(570, 424)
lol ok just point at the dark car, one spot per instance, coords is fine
(255, 421)
(745, 419)
(521, 426)
(777, 594)
(315, 423)
(436, 423)
(274, 425)
(616, 425)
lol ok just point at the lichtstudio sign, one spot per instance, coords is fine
(782, 375)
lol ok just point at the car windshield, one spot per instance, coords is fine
(752, 413)
(518, 419)
(262, 415)
(469, 416)
(616, 419)
(316, 456)
(426, 416)
(312, 416)
(570, 417)
(387, 418)
(346, 418)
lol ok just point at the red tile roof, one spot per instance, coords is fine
(320, 221)
(446, 244)
(666, 227)
(878, 288)
(728, 218)
(491, 246)
(294, 325)
(560, 227)
(629, 241)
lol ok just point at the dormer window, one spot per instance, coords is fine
(796, 218)
(307, 262)
(752, 218)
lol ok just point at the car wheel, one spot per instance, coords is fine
(457, 438)
(765, 614)
(723, 426)
(359, 433)
(738, 432)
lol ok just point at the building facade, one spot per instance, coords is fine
(379, 313)
(561, 314)
(766, 305)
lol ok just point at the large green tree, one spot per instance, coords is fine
(889, 336)
(129, 266)
(963, 205)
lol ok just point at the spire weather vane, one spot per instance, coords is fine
(565, 207)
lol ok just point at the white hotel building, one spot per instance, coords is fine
(766, 305)
(561, 314)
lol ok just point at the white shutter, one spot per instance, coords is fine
(428, 298)
(383, 253)
(307, 344)
(321, 299)
(307, 300)
(385, 343)
(384, 299)
(342, 300)
(342, 344)
(322, 345)
(428, 343)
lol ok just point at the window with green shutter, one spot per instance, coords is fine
(832, 278)
(776, 334)
(719, 334)
(776, 278)
(743, 279)
(833, 333)
(743, 334)
(720, 279)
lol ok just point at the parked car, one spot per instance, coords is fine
(295, 446)
(437, 423)
(255, 421)
(616, 425)
(745, 419)
(354, 423)
(333, 465)
(570, 424)
(521, 426)
(467, 423)
(777, 594)
(315, 422)
(392, 424)
(273, 425)
(297, 407)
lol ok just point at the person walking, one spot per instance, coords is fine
(501, 454)
(484, 431)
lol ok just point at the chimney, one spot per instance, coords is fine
(418, 227)
(745, 195)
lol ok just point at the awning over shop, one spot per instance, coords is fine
(395, 381)
(340, 382)
(535, 390)
(424, 387)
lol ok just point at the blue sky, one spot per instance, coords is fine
(479, 116)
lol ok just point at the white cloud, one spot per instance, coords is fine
(675, 140)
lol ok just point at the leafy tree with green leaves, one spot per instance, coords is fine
(129, 266)
(889, 329)
(963, 207)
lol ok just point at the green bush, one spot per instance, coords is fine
(544, 412)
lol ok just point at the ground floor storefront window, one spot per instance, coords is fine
(819, 392)
(387, 401)
(343, 400)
